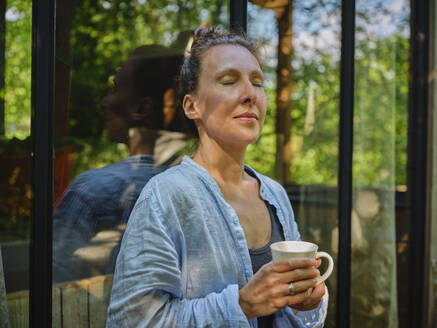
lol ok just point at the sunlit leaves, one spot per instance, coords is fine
(18, 68)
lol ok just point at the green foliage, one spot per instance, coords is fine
(261, 154)
(381, 97)
(315, 148)
(105, 32)
(380, 105)
(95, 153)
(18, 68)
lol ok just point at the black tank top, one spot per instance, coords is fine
(263, 255)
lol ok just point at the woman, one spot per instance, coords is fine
(200, 230)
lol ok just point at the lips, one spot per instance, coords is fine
(247, 116)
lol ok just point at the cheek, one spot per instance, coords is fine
(263, 106)
(216, 103)
(115, 105)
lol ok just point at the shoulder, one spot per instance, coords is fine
(168, 200)
(172, 184)
(98, 175)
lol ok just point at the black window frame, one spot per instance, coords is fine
(43, 81)
(42, 111)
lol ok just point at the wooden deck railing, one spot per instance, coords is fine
(81, 303)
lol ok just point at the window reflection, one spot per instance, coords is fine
(380, 138)
(303, 88)
(91, 216)
(379, 242)
(116, 127)
(15, 148)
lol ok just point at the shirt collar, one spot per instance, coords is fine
(204, 174)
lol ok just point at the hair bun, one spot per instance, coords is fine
(210, 32)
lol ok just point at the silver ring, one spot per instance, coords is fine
(291, 288)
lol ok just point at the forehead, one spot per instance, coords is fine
(222, 57)
(124, 73)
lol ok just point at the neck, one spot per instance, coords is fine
(224, 163)
(141, 141)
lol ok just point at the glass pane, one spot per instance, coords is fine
(116, 127)
(299, 144)
(379, 172)
(15, 148)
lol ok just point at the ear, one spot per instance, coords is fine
(169, 106)
(190, 107)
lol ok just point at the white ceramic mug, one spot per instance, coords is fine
(283, 250)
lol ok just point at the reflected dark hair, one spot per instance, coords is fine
(204, 39)
(150, 79)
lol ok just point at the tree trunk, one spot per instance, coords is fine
(283, 11)
(64, 16)
(283, 95)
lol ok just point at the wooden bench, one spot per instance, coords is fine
(81, 303)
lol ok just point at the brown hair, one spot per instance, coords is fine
(204, 39)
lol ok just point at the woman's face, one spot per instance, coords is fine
(229, 104)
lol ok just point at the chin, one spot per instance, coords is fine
(246, 141)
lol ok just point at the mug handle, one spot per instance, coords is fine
(330, 266)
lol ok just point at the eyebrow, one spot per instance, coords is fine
(233, 71)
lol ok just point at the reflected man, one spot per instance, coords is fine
(91, 217)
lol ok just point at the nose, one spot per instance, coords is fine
(249, 96)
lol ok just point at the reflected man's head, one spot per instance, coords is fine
(141, 86)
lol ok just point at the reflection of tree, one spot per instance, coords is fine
(17, 68)
(98, 44)
(315, 54)
(93, 38)
(104, 32)
(283, 13)
(381, 72)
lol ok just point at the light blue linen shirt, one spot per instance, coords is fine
(184, 256)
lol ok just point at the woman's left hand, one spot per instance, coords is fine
(315, 295)
(313, 300)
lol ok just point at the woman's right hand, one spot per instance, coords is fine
(267, 291)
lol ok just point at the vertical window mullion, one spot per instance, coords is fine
(345, 162)
(43, 41)
(238, 15)
(417, 160)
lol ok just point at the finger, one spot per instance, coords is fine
(298, 274)
(301, 307)
(291, 264)
(319, 291)
(318, 262)
(297, 298)
(317, 295)
(303, 286)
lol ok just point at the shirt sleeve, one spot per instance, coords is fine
(149, 279)
(288, 317)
